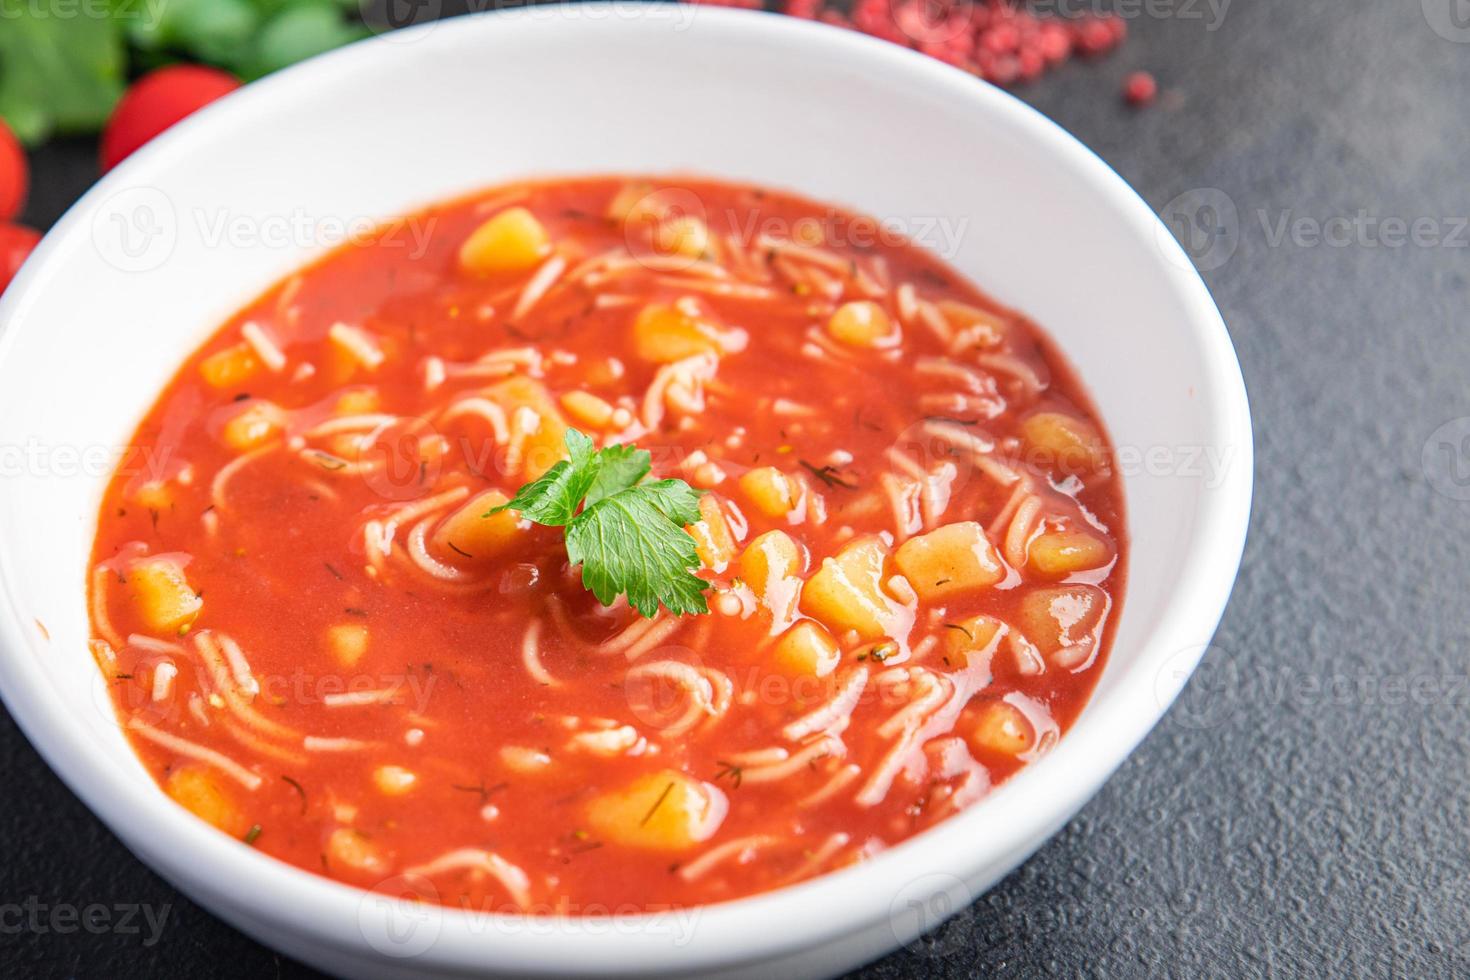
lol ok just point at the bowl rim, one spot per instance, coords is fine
(270, 895)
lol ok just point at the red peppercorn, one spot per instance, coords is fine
(1140, 89)
(1001, 39)
(1004, 70)
(1032, 64)
(1093, 37)
(996, 39)
(1054, 43)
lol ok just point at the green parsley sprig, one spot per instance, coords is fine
(627, 535)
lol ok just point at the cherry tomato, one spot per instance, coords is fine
(155, 102)
(14, 174)
(16, 242)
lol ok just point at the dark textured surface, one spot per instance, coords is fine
(1306, 807)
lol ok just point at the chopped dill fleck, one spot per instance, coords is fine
(459, 551)
(656, 804)
(354, 611)
(331, 568)
(326, 460)
(298, 788)
(252, 835)
(733, 771)
(830, 475)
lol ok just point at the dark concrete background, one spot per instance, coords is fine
(1306, 807)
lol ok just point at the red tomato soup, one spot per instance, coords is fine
(323, 639)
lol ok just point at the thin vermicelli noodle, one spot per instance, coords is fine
(325, 631)
(832, 717)
(516, 883)
(531, 655)
(189, 750)
(741, 849)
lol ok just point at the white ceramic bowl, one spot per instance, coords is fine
(160, 251)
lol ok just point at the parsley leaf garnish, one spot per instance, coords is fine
(552, 498)
(627, 535)
(622, 467)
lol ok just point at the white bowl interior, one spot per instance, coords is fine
(98, 322)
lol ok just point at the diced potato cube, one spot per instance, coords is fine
(806, 650)
(1060, 553)
(661, 811)
(253, 426)
(358, 401)
(686, 235)
(232, 366)
(713, 539)
(587, 409)
(1062, 617)
(863, 323)
(972, 639)
(353, 348)
(663, 334)
(808, 231)
(1063, 443)
(350, 850)
(982, 328)
(394, 780)
(524, 760)
(637, 202)
(197, 790)
(511, 241)
(546, 445)
(771, 565)
(469, 535)
(773, 493)
(848, 593)
(348, 642)
(950, 560)
(153, 494)
(1000, 728)
(604, 371)
(165, 600)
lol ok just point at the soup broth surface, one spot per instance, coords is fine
(321, 640)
